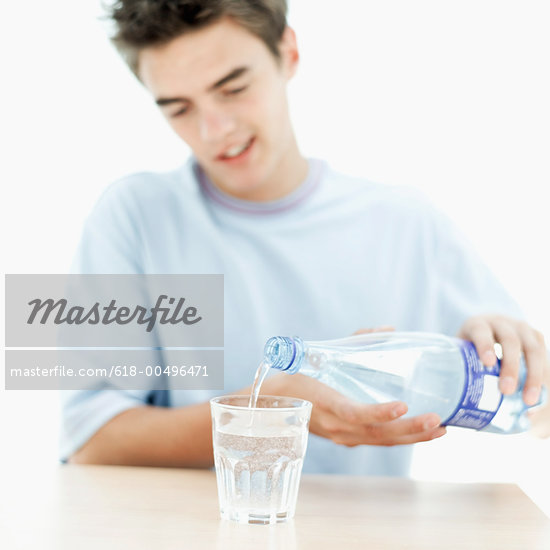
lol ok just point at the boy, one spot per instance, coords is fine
(303, 250)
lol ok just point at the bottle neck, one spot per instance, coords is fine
(284, 353)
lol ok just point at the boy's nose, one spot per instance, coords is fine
(215, 126)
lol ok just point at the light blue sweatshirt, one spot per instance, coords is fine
(336, 255)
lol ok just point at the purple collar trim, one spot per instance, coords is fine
(291, 201)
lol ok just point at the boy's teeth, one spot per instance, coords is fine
(234, 151)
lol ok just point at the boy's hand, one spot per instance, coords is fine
(515, 337)
(350, 423)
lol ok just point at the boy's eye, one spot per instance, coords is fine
(236, 91)
(182, 111)
(232, 91)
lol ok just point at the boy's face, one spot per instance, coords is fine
(224, 93)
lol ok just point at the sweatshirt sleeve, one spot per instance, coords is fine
(110, 244)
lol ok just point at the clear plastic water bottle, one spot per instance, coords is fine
(429, 372)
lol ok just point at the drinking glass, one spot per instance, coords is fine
(258, 453)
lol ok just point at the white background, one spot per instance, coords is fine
(450, 97)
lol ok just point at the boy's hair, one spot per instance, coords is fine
(143, 23)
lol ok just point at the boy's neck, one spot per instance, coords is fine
(285, 177)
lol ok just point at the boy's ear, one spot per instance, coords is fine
(288, 48)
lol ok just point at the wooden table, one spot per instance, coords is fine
(108, 507)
